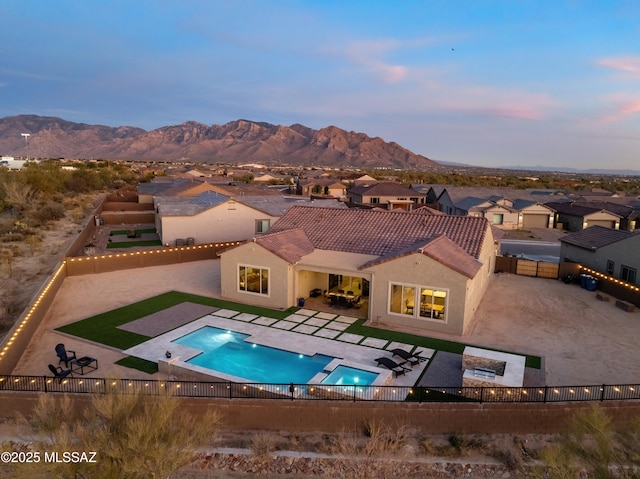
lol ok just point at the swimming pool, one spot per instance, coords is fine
(347, 376)
(228, 352)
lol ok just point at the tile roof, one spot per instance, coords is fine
(385, 189)
(279, 205)
(570, 208)
(290, 245)
(381, 232)
(595, 237)
(188, 205)
(441, 249)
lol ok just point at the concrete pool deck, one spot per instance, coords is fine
(583, 340)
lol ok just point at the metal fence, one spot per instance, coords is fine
(230, 390)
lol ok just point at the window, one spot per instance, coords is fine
(610, 267)
(498, 219)
(628, 274)
(432, 303)
(402, 299)
(262, 226)
(428, 304)
(375, 201)
(253, 280)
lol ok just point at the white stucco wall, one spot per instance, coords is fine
(281, 291)
(229, 221)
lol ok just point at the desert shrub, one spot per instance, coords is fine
(12, 237)
(49, 212)
(263, 444)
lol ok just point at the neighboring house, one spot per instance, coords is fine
(386, 195)
(414, 270)
(629, 213)
(506, 208)
(573, 217)
(533, 214)
(606, 250)
(321, 186)
(212, 217)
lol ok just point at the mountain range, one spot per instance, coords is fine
(239, 141)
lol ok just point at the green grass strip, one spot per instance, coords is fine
(140, 364)
(103, 328)
(132, 244)
(358, 327)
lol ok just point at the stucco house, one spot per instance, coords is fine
(387, 195)
(609, 251)
(417, 270)
(574, 217)
(321, 186)
(213, 217)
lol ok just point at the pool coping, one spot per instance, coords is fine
(154, 349)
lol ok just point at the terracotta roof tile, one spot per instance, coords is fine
(381, 232)
(290, 245)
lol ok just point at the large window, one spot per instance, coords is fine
(432, 303)
(402, 299)
(628, 274)
(253, 280)
(420, 302)
(498, 218)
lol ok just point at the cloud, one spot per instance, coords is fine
(629, 65)
(497, 102)
(624, 106)
(368, 54)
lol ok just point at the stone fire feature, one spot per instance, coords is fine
(509, 368)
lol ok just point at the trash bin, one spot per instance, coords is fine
(583, 280)
(300, 302)
(591, 283)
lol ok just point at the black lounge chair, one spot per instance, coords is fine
(59, 372)
(64, 355)
(397, 369)
(414, 359)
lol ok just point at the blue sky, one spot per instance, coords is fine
(492, 83)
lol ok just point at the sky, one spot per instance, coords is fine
(483, 82)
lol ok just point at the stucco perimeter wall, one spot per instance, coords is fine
(339, 416)
(281, 292)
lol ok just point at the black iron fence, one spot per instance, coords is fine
(230, 390)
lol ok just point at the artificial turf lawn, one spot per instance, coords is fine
(103, 328)
(139, 364)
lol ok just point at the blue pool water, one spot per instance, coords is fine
(228, 352)
(345, 375)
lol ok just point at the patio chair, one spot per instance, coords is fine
(59, 373)
(64, 355)
(407, 356)
(388, 363)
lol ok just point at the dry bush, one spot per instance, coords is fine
(263, 444)
(373, 457)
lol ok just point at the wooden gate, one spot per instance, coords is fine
(538, 269)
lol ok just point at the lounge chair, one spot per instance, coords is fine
(64, 355)
(388, 363)
(59, 372)
(414, 359)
